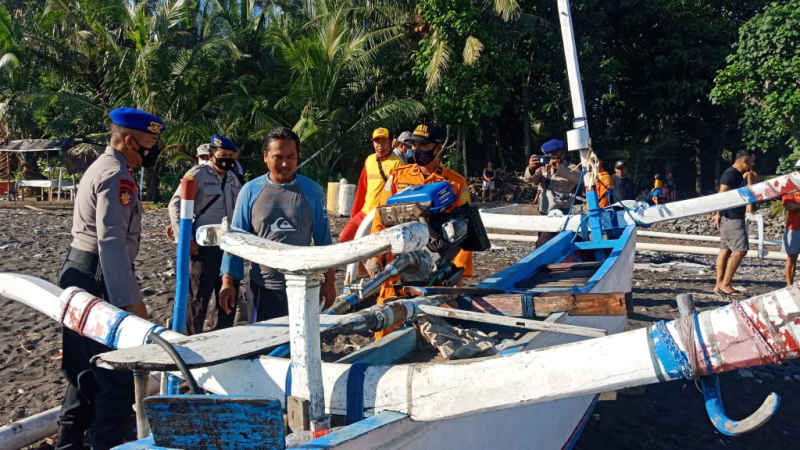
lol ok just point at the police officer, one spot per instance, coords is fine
(557, 182)
(282, 206)
(217, 189)
(106, 230)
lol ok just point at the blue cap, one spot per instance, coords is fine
(223, 142)
(136, 119)
(552, 145)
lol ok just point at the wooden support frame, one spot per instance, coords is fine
(302, 291)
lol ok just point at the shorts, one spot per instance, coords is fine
(733, 234)
(488, 185)
(791, 242)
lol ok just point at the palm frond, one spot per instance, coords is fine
(439, 63)
(473, 48)
(507, 9)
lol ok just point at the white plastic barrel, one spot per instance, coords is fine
(347, 194)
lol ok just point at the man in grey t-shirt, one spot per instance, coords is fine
(732, 228)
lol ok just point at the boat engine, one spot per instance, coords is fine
(450, 230)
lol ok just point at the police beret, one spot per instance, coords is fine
(223, 142)
(553, 145)
(426, 133)
(136, 119)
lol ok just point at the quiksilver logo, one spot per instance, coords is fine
(281, 224)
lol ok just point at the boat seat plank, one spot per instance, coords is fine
(208, 348)
(206, 422)
(576, 265)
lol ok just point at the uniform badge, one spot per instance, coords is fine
(127, 190)
(125, 198)
(155, 127)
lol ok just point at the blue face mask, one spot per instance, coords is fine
(409, 154)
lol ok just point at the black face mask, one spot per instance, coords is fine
(225, 163)
(424, 157)
(148, 160)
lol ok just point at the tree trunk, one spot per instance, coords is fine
(463, 142)
(698, 171)
(150, 188)
(526, 125)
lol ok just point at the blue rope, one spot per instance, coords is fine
(665, 339)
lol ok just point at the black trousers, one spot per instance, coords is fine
(204, 281)
(268, 303)
(96, 400)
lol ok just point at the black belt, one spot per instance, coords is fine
(82, 260)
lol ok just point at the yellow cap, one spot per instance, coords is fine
(380, 133)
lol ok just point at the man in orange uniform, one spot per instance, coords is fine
(376, 171)
(427, 144)
(604, 185)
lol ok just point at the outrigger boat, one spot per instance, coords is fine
(537, 392)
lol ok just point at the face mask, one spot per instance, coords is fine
(148, 160)
(225, 163)
(203, 162)
(424, 157)
(409, 155)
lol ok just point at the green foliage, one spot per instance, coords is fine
(761, 79)
(335, 69)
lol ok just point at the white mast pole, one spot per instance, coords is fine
(578, 137)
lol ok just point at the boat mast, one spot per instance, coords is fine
(578, 137)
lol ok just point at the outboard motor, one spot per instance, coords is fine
(450, 232)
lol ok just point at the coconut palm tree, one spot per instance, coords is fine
(333, 69)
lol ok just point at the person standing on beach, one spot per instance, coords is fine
(106, 232)
(489, 174)
(428, 143)
(281, 206)
(751, 177)
(791, 236)
(557, 182)
(732, 228)
(623, 186)
(217, 189)
(375, 172)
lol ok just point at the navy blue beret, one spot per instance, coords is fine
(223, 142)
(136, 119)
(552, 145)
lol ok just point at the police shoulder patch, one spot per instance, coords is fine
(127, 191)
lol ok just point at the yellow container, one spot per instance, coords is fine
(332, 199)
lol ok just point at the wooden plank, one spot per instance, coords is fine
(614, 304)
(387, 350)
(577, 265)
(213, 347)
(581, 304)
(218, 346)
(515, 322)
(213, 421)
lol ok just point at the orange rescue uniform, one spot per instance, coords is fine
(411, 175)
(604, 186)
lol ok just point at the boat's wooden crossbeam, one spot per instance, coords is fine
(515, 322)
(398, 239)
